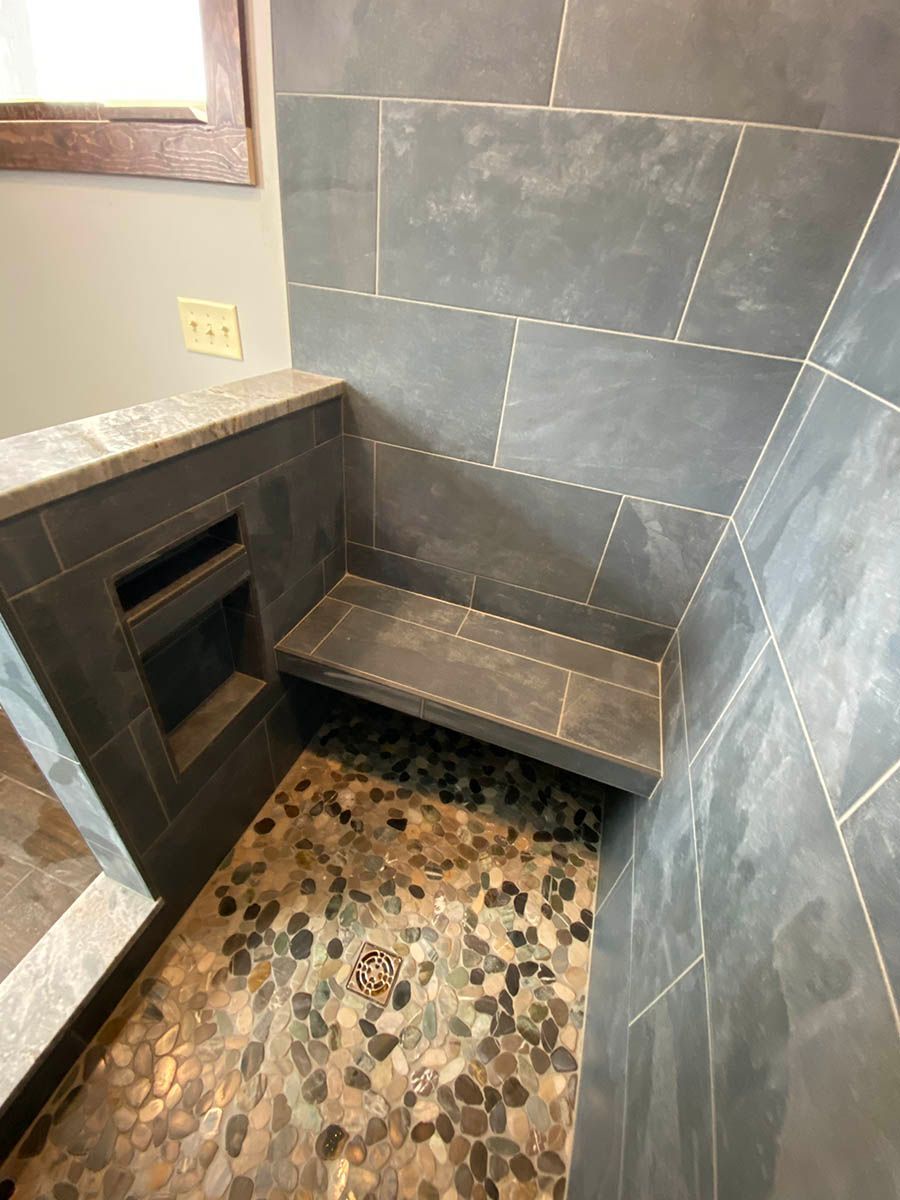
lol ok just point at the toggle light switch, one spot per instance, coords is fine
(210, 328)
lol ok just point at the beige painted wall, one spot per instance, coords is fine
(90, 267)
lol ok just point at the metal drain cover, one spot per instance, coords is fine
(374, 973)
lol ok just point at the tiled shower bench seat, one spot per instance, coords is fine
(570, 703)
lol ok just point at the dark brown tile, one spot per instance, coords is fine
(394, 602)
(612, 720)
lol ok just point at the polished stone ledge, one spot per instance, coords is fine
(49, 464)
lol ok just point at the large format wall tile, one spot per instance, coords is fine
(794, 209)
(860, 339)
(26, 556)
(807, 1073)
(722, 633)
(576, 217)
(359, 489)
(831, 66)
(873, 839)
(328, 165)
(429, 378)
(668, 1125)
(532, 532)
(825, 550)
(667, 422)
(654, 560)
(398, 571)
(500, 50)
(600, 1116)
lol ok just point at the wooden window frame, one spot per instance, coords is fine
(172, 144)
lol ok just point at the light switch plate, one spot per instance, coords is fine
(210, 328)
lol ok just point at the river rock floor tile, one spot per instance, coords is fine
(240, 1066)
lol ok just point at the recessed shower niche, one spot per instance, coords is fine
(192, 619)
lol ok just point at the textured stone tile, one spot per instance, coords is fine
(36, 830)
(17, 762)
(328, 420)
(185, 671)
(23, 701)
(804, 1044)
(328, 168)
(600, 1118)
(667, 422)
(872, 834)
(625, 634)
(825, 549)
(425, 660)
(668, 1128)
(429, 378)
(859, 340)
(471, 50)
(580, 217)
(568, 653)
(394, 602)
(792, 417)
(654, 560)
(128, 789)
(722, 633)
(78, 797)
(316, 625)
(359, 489)
(801, 65)
(613, 720)
(342, 679)
(617, 843)
(26, 556)
(426, 578)
(794, 209)
(294, 603)
(527, 531)
(666, 936)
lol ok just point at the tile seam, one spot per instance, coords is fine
(669, 986)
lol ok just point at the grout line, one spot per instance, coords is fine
(731, 699)
(837, 826)
(628, 1004)
(374, 475)
(712, 229)
(392, 587)
(607, 112)
(615, 883)
(506, 316)
(712, 557)
(472, 593)
(378, 206)
(562, 707)
(765, 445)
(869, 792)
(42, 517)
(559, 46)
(856, 387)
(343, 617)
(509, 369)
(667, 989)
(612, 527)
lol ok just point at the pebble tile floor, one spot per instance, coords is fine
(240, 1066)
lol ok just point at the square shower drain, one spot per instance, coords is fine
(374, 973)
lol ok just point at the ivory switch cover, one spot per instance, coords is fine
(210, 328)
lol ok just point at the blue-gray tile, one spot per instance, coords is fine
(825, 550)
(617, 842)
(469, 50)
(666, 422)
(792, 417)
(77, 795)
(794, 209)
(429, 378)
(802, 63)
(571, 619)
(359, 486)
(24, 702)
(666, 935)
(860, 340)
(722, 633)
(872, 834)
(581, 217)
(807, 1074)
(668, 1126)
(600, 1114)
(328, 166)
(427, 579)
(396, 602)
(654, 560)
(26, 556)
(511, 527)
(328, 420)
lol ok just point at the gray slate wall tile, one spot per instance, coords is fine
(792, 417)
(825, 550)
(600, 1114)
(827, 66)
(872, 834)
(860, 340)
(128, 790)
(596, 625)
(359, 484)
(654, 560)
(666, 422)
(429, 378)
(26, 556)
(617, 842)
(794, 209)
(397, 571)
(528, 531)
(579, 217)
(328, 166)
(722, 633)
(804, 1042)
(501, 50)
(668, 1127)
(328, 420)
